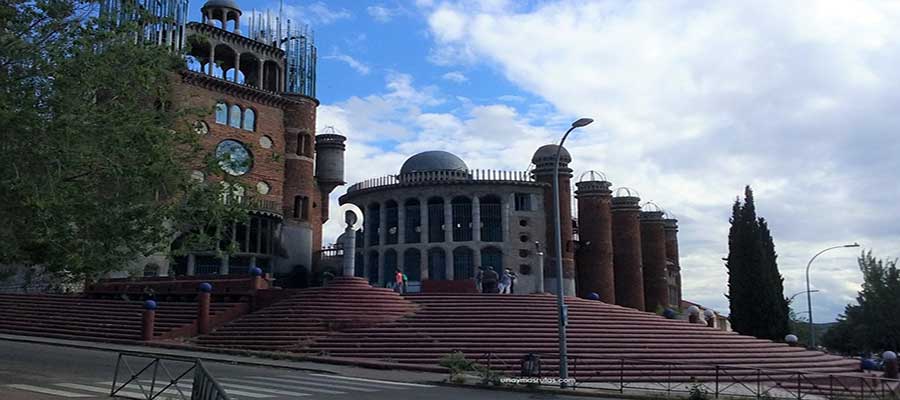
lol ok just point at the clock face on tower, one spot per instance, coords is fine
(234, 158)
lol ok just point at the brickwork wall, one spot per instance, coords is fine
(671, 229)
(594, 261)
(300, 119)
(653, 260)
(268, 164)
(626, 237)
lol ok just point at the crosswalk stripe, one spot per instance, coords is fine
(242, 392)
(186, 389)
(299, 381)
(261, 389)
(373, 380)
(344, 383)
(54, 392)
(276, 385)
(96, 389)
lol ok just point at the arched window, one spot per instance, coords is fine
(234, 116)
(221, 113)
(492, 257)
(412, 264)
(301, 144)
(390, 264)
(412, 221)
(435, 220)
(301, 207)
(373, 220)
(391, 212)
(462, 219)
(360, 239)
(491, 219)
(359, 266)
(463, 263)
(249, 123)
(437, 263)
(373, 266)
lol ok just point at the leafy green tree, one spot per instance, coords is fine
(871, 325)
(755, 287)
(96, 158)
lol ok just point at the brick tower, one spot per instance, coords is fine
(653, 258)
(543, 160)
(673, 263)
(626, 237)
(594, 258)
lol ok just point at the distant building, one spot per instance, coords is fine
(439, 220)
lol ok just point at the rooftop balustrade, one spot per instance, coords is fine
(472, 175)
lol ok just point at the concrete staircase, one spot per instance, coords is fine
(607, 342)
(71, 317)
(309, 314)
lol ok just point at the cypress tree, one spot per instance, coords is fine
(755, 287)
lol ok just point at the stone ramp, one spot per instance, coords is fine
(73, 317)
(607, 342)
(308, 314)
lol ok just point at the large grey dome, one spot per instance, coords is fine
(434, 160)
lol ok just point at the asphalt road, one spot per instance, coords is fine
(31, 371)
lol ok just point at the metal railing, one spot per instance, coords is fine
(163, 377)
(716, 380)
(472, 175)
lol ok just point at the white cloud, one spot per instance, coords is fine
(315, 14)
(384, 14)
(694, 100)
(352, 62)
(455, 76)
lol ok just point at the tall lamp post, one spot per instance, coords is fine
(563, 352)
(812, 329)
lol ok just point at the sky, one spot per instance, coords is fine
(692, 100)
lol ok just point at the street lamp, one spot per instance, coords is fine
(563, 353)
(812, 329)
(791, 299)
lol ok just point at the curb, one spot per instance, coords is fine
(590, 392)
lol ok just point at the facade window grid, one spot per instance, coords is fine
(373, 265)
(391, 222)
(235, 117)
(462, 219)
(374, 222)
(412, 221)
(523, 202)
(492, 257)
(463, 263)
(390, 265)
(491, 219)
(436, 220)
(437, 263)
(412, 264)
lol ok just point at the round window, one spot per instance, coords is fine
(265, 142)
(523, 238)
(201, 128)
(234, 158)
(198, 176)
(263, 188)
(523, 222)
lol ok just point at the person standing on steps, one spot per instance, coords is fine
(506, 281)
(512, 280)
(479, 275)
(489, 280)
(398, 281)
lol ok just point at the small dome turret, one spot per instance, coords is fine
(547, 154)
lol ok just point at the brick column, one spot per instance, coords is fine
(203, 300)
(148, 320)
(671, 229)
(653, 260)
(594, 259)
(626, 240)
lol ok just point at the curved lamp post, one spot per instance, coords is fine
(812, 329)
(563, 314)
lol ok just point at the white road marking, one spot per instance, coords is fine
(261, 389)
(301, 382)
(373, 380)
(97, 389)
(54, 392)
(280, 386)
